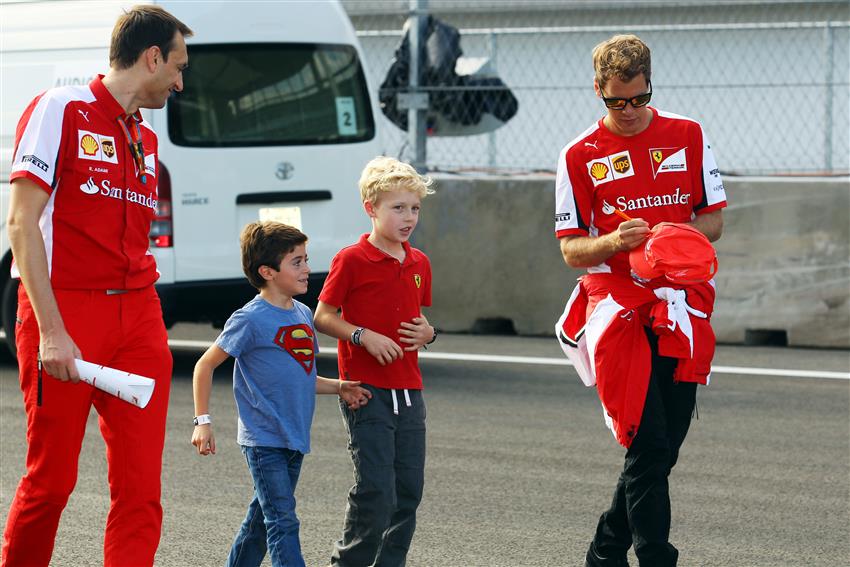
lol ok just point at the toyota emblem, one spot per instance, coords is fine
(284, 170)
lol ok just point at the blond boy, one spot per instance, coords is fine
(372, 302)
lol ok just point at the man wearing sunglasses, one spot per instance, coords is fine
(635, 168)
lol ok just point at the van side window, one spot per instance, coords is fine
(271, 94)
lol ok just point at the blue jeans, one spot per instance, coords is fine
(271, 522)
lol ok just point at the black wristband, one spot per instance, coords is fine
(356, 335)
(434, 338)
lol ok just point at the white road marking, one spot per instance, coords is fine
(503, 359)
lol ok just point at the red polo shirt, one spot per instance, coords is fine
(378, 292)
(96, 222)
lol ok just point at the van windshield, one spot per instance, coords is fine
(271, 94)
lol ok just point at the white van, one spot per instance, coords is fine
(275, 121)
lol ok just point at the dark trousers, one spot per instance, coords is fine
(640, 511)
(388, 452)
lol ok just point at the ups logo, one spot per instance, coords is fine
(621, 164)
(108, 148)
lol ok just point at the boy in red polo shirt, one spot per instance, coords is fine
(371, 302)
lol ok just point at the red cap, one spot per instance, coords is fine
(679, 252)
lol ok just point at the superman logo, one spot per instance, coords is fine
(298, 341)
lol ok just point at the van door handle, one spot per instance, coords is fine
(282, 197)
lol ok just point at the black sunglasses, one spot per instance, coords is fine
(620, 103)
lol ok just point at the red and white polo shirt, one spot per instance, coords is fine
(96, 222)
(667, 173)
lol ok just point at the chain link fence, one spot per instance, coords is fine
(770, 82)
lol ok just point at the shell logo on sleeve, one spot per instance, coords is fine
(298, 341)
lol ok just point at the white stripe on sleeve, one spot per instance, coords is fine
(714, 191)
(38, 149)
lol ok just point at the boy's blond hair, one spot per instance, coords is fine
(388, 174)
(622, 56)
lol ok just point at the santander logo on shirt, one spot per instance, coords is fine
(106, 189)
(649, 201)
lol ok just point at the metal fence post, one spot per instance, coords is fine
(415, 113)
(491, 137)
(828, 129)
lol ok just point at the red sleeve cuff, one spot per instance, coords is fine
(570, 232)
(23, 174)
(712, 208)
(327, 299)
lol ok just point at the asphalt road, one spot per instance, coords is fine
(520, 465)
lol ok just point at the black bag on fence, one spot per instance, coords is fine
(468, 97)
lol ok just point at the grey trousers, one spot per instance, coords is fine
(388, 452)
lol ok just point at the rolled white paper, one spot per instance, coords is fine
(131, 388)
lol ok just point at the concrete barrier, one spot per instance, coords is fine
(784, 258)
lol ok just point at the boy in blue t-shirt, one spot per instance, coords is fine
(275, 386)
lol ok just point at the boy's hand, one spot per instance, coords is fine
(383, 348)
(416, 334)
(203, 439)
(353, 395)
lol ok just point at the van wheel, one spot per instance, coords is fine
(9, 311)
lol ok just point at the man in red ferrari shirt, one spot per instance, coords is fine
(84, 189)
(635, 168)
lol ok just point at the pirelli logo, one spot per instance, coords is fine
(29, 158)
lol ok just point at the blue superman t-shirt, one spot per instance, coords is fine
(274, 376)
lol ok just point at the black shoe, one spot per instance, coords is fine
(593, 559)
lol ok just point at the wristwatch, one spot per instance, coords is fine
(202, 419)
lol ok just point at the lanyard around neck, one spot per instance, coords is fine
(136, 147)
